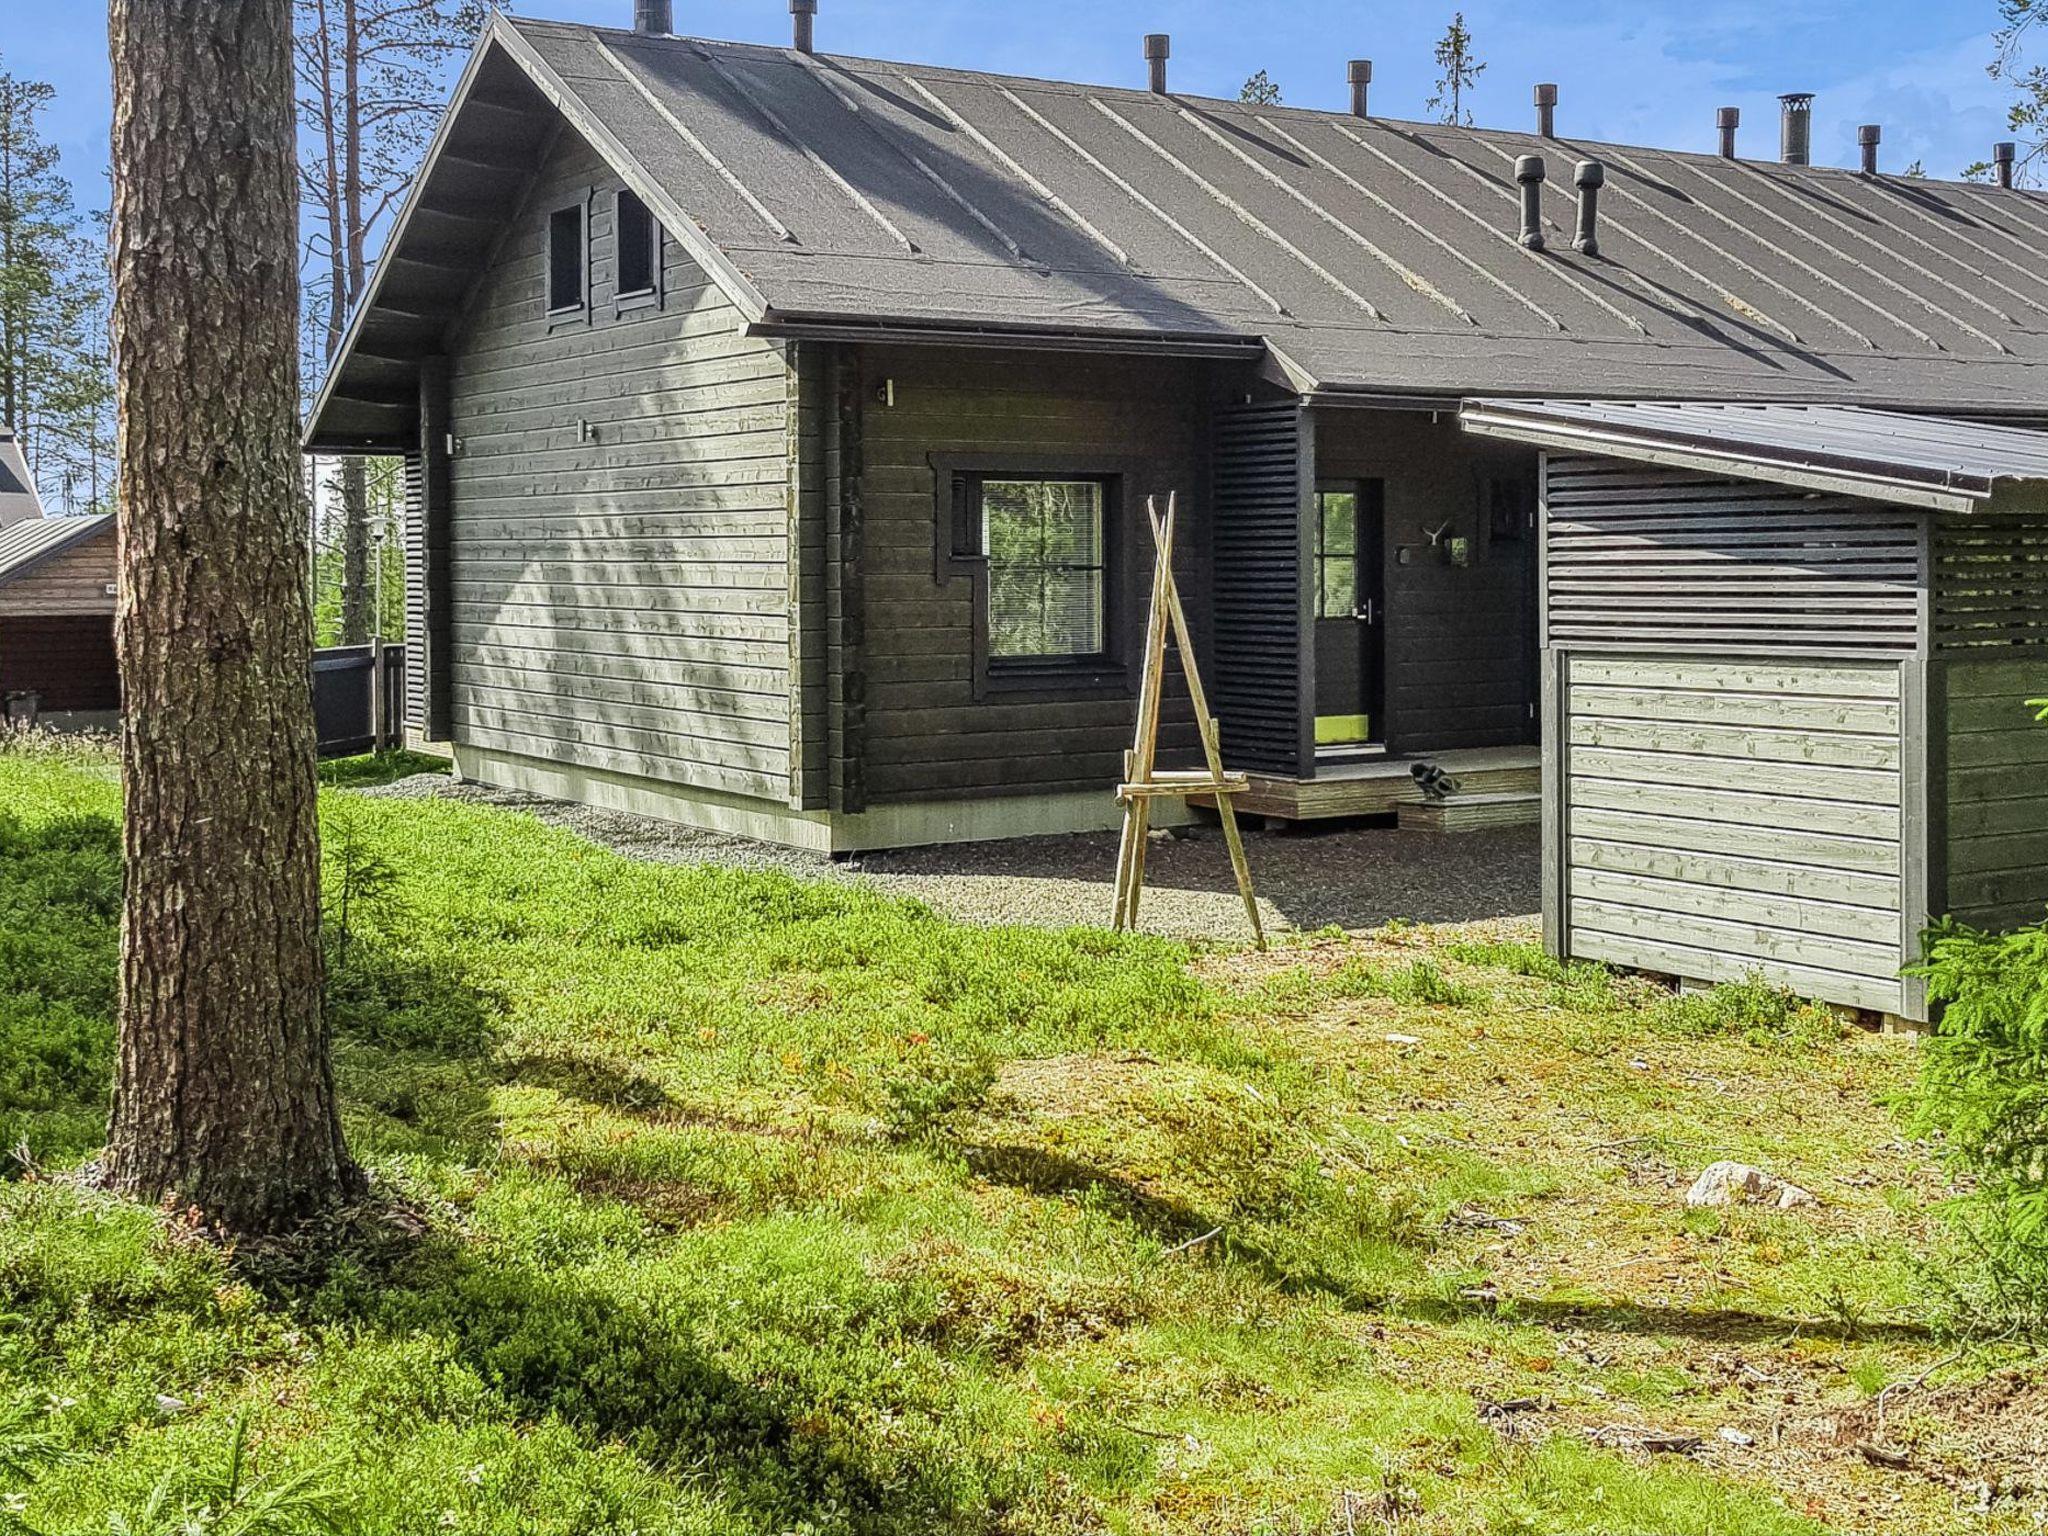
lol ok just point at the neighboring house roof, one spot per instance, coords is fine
(833, 195)
(1926, 461)
(25, 545)
(18, 499)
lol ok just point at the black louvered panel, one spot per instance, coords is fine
(415, 594)
(1990, 582)
(1259, 603)
(1636, 555)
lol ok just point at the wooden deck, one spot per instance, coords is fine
(1381, 786)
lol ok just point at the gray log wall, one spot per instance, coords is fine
(619, 567)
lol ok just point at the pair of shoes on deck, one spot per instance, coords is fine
(1434, 783)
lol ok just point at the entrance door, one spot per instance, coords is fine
(1350, 615)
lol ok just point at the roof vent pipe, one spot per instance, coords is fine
(2002, 156)
(654, 17)
(1546, 111)
(804, 21)
(1795, 128)
(1360, 74)
(1728, 119)
(1529, 172)
(1867, 138)
(1158, 49)
(1589, 177)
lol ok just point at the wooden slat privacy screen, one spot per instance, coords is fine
(1637, 555)
(1990, 582)
(415, 595)
(1257, 612)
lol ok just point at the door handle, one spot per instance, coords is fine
(1369, 614)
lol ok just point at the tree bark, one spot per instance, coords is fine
(355, 552)
(224, 1094)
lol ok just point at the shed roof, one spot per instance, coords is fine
(832, 195)
(28, 543)
(1926, 461)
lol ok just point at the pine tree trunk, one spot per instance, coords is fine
(224, 1094)
(355, 553)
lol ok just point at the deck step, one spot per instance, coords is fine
(1472, 813)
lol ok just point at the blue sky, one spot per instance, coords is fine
(1647, 72)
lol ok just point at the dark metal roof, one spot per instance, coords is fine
(1368, 255)
(18, 499)
(36, 539)
(1925, 461)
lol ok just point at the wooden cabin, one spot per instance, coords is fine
(779, 423)
(57, 662)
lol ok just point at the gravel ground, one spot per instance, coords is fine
(1350, 876)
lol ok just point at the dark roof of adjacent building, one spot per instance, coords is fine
(18, 499)
(27, 544)
(832, 195)
(1925, 461)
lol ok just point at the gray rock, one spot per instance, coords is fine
(1730, 1183)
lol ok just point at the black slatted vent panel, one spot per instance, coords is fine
(415, 594)
(1259, 587)
(1637, 556)
(1990, 582)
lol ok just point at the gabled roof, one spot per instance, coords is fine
(18, 498)
(27, 544)
(1922, 461)
(832, 195)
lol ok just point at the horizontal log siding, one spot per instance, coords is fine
(1997, 792)
(1637, 556)
(1460, 640)
(1726, 816)
(74, 580)
(624, 602)
(924, 732)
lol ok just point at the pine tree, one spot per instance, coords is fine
(55, 362)
(1460, 74)
(370, 76)
(1260, 91)
(224, 1098)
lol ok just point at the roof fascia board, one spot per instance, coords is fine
(1564, 437)
(103, 523)
(675, 219)
(799, 328)
(413, 198)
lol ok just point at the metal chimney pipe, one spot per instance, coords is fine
(1360, 75)
(1728, 119)
(1529, 172)
(2003, 155)
(804, 22)
(1158, 49)
(1589, 176)
(1546, 111)
(1867, 139)
(1795, 128)
(655, 17)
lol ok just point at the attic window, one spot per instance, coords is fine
(639, 246)
(565, 260)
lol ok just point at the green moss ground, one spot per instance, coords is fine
(727, 1202)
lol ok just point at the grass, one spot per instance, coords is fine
(734, 1203)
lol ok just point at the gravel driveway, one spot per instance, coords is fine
(1347, 875)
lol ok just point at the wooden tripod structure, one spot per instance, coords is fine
(1144, 782)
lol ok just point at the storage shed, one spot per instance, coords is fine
(57, 662)
(1787, 653)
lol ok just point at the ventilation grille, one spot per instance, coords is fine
(1990, 582)
(1680, 561)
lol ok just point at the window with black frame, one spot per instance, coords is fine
(639, 244)
(1046, 545)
